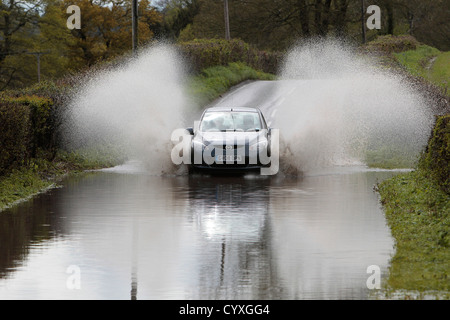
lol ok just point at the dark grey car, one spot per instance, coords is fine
(230, 139)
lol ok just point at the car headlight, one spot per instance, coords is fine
(197, 143)
(201, 145)
(261, 145)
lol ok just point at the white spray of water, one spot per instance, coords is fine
(135, 106)
(339, 107)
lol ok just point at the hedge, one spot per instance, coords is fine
(14, 134)
(206, 53)
(437, 155)
(391, 44)
(28, 127)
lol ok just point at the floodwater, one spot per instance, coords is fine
(125, 234)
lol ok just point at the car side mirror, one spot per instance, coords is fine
(190, 130)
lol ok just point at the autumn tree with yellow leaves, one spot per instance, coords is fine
(28, 27)
(106, 29)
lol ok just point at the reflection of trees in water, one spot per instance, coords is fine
(24, 226)
(31, 223)
(232, 215)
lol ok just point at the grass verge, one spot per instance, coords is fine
(387, 158)
(214, 81)
(418, 213)
(21, 184)
(440, 72)
(428, 63)
(39, 174)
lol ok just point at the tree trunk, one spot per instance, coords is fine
(363, 22)
(390, 16)
(411, 22)
(6, 46)
(326, 17)
(318, 16)
(304, 17)
(340, 17)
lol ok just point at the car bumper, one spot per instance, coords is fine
(226, 169)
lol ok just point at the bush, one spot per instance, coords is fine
(14, 134)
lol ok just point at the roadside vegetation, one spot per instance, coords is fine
(426, 69)
(215, 81)
(417, 203)
(428, 63)
(22, 183)
(417, 206)
(390, 158)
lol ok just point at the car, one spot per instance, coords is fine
(230, 139)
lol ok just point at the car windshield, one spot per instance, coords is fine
(230, 121)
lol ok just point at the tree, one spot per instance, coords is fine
(177, 15)
(34, 26)
(427, 20)
(54, 39)
(106, 29)
(17, 19)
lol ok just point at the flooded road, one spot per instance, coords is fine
(124, 234)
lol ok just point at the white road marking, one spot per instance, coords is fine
(290, 91)
(273, 113)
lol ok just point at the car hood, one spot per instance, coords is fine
(230, 138)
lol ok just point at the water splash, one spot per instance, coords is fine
(338, 108)
(342, 109)
(133, 107)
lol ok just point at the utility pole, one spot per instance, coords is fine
(363, 22)
(227, 20)
(134, 24)
(38, 56)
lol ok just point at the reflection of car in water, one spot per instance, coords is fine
(226, 208)
(231, 215)
(231, 139)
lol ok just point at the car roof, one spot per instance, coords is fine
(237, 109)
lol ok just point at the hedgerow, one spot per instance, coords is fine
(205, 53)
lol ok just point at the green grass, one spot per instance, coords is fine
(24, 182)
(94, 157)
(440, 73)
(388, 158)
(418, 213)
(214, 81)
(41, 174)
(420, 62)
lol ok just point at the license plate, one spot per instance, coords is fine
(228, 158)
